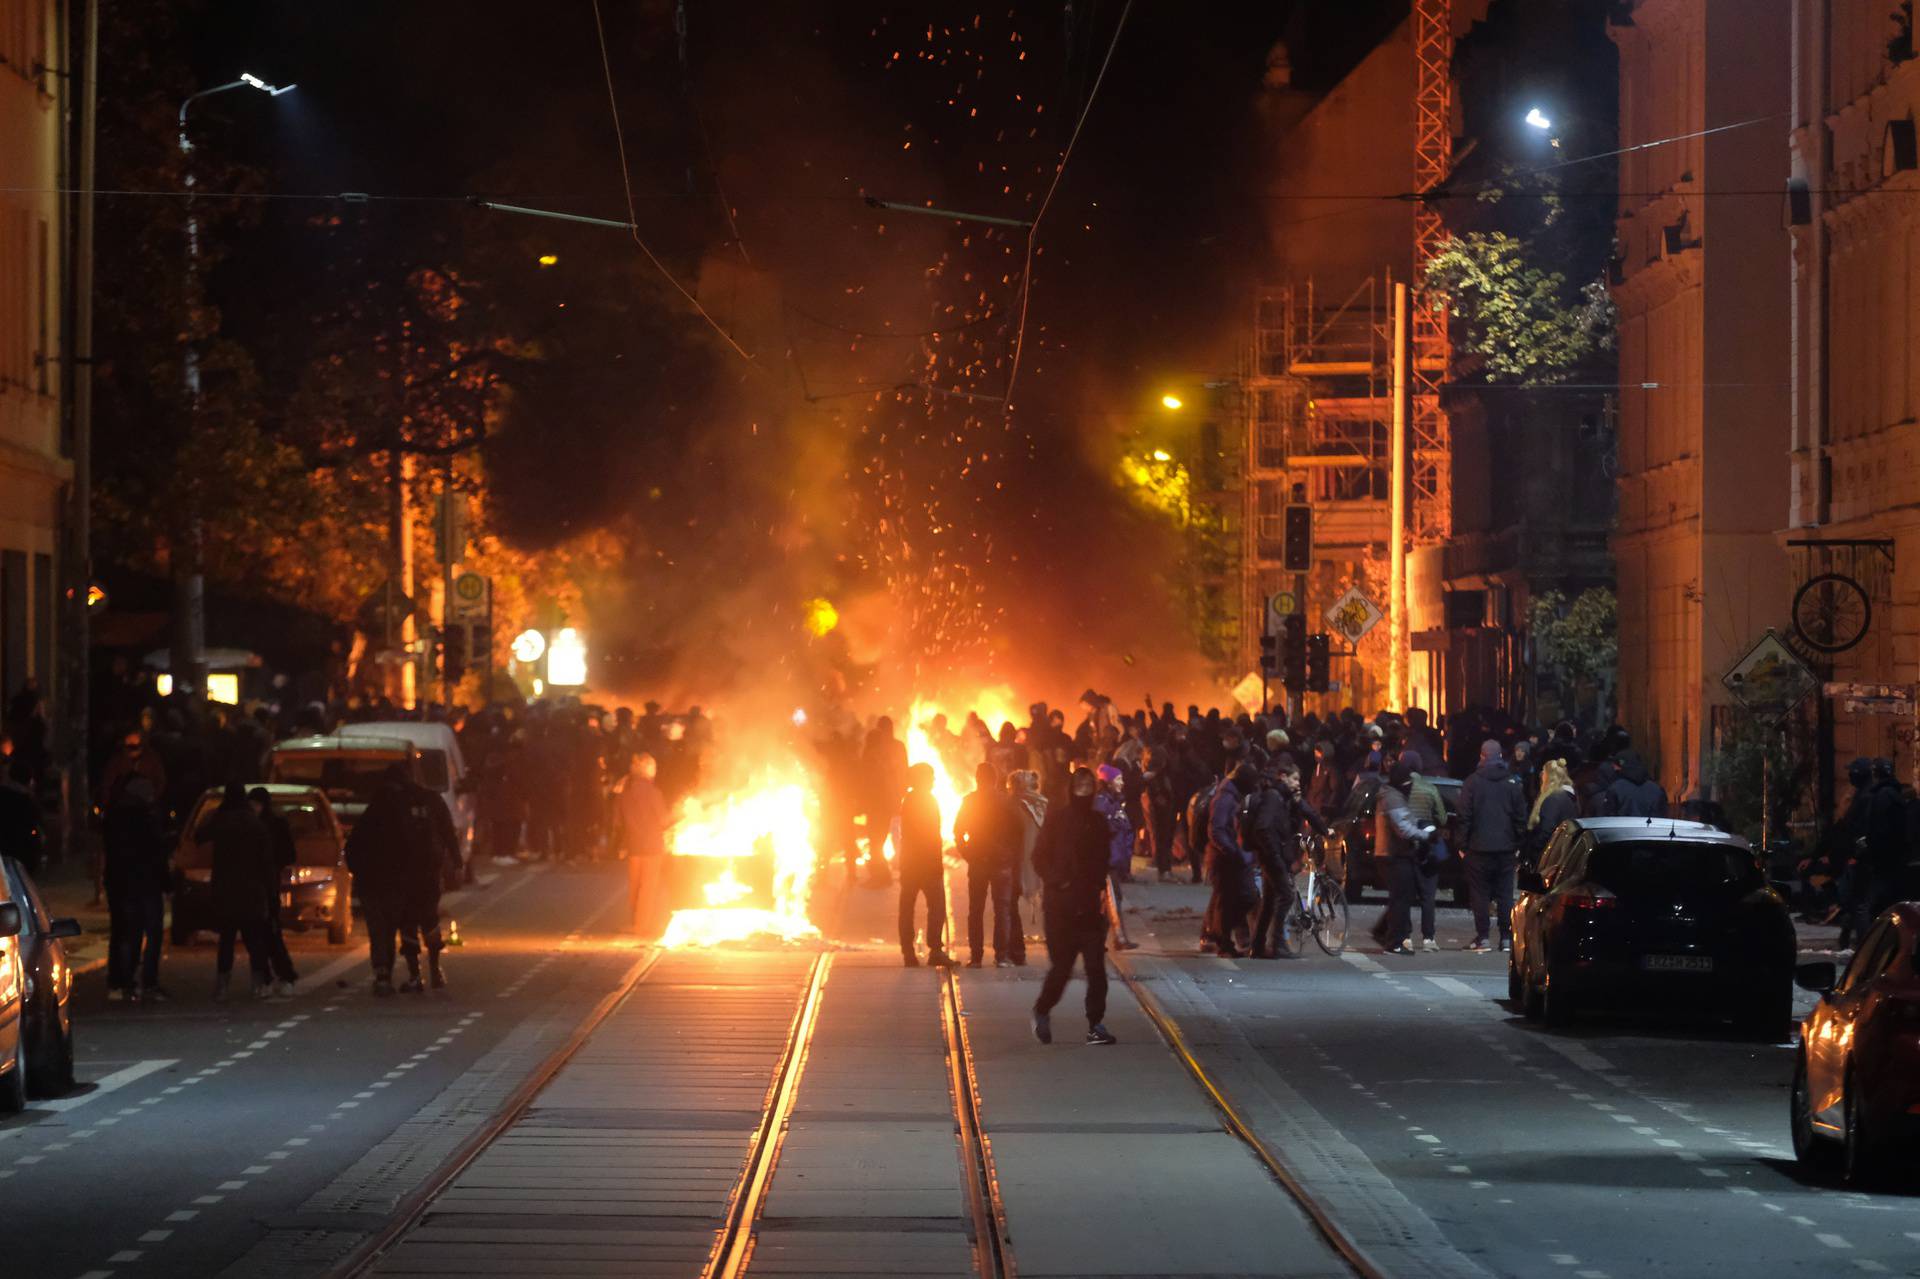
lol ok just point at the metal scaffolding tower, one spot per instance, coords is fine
(1430, 518)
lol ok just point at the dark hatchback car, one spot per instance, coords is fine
(46, 1005)
(1637, 913)
(1856, 1083)
(1353, 833)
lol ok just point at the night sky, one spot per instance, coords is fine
(794, 112)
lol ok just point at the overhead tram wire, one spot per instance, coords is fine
(633, 213)
(1059, 171)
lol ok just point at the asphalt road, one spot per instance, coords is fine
(202, 1133)
(1650, 1145)
(1449, 1135)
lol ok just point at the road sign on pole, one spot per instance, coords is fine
(470, 598)
(1353, 615)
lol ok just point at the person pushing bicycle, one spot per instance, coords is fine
(1275, 815)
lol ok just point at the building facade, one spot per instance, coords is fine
(33, 471)
(1702, 288)
(1852, 526)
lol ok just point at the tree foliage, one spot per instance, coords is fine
(1577, 644)
(1522, 319)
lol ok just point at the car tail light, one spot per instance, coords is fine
(1591, 900)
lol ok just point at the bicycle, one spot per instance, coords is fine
(1319, 906)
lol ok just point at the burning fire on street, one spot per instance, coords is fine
(759, 837)
(764, 835)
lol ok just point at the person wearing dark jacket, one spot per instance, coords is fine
(1071, 858)
(400, 853)
(1854, 885)
(1402, 841)
(244, 880)
(988, 840)
(1272, 835)
(134, 854)
(1493, 811)
(884, 761)
(921, 870)
(1229, 866)
(1886, 846)
(285, 855)
(1158, 811)
(1555, 804)
(1633, 793)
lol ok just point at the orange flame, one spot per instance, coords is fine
(771, 819)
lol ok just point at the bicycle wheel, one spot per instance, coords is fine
(1330, 917)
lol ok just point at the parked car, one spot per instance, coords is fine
(348, 769)
(315, 889)
(443, 768)
(1631, 911)
(36, 993)
(1856, 1082)
(1352, 840)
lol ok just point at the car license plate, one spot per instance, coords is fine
(1677, 963)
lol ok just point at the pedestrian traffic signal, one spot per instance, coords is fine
(1270, 655)
(1296, 544)
(1318, 654)
(1293, 651)
(453, 654)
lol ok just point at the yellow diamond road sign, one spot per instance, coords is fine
(1353, 615)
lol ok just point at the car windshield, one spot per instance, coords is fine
(349, 779)
(433, 769)
(1672, 868)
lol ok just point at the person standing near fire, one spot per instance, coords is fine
(1071, 857)
(640, 824)
(921, 869)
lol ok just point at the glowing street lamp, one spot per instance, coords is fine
(528, 645)
(1538, 119)
(1172, 401)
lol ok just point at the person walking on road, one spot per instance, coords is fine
(400, 853)
(285, 856)
(986, 836)
(1493, 810)
(1110, 802)
(640, 828)
(134, 842)
(1071, 857)
(921, 869)
(244, 878)
(1229, 868)
(1403, 840)
(1428, 808)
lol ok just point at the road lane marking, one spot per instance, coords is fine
(108, 1083)
(1454, 986)
(1364, 963)
(1833, 1241)
(156, 1236)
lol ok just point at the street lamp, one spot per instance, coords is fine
(1538, 119)
(1172, 401)
(190, 630)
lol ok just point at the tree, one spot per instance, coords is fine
(1523, 320)
(1760, 768)
(1577, 644)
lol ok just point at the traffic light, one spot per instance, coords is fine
(1318, 653)
(1270, 655)
(1293, 651)
(480, 643)
(1296, 546)
(454, 651)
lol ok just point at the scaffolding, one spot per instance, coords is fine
(1430, 444)
(1316, 383)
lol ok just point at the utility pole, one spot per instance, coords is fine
(79, 353)
(1397, 501)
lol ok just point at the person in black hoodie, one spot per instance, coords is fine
(401, 853)
(1633, 793)
(987, 839)
(285, 856)
(921, 871)
(1493, 811)
(134, 844)
(1071, 857)
(244, 880)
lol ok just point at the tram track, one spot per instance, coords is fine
(992, 1243)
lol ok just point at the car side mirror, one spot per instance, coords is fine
(63, 928)
(1529, 881)
(10, 919)
(1818, 976)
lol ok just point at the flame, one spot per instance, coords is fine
(995, 706)
(771, 819)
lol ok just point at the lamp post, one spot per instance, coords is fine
(188, 660)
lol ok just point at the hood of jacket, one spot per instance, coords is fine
(1632, 769)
